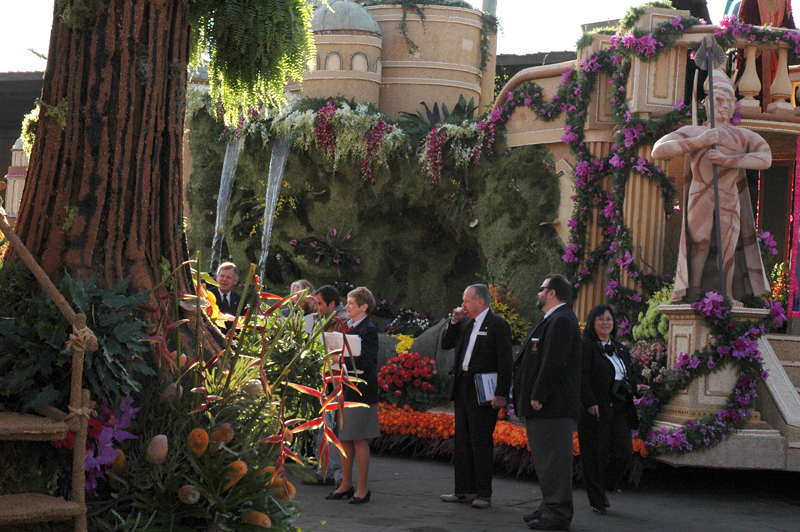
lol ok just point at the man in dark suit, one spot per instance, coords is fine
(482, 342)
(227, 299)
(547, 386)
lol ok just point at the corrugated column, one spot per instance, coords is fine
(644, 215)
(593, 293)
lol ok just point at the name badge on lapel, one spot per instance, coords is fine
(535, 342)
(481, 333)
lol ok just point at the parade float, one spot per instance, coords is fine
(356, 182)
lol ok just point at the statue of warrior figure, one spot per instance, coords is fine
(737, 150)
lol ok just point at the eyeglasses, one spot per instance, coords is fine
(544, 288)
(603, 318)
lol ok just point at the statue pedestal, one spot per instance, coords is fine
(688, 332)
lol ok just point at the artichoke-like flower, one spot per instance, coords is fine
(253, 517)
(236, 471)
(157, 450)
(197, 442)
(188, 494)
(221, 436)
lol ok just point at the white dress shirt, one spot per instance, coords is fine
(475, 328)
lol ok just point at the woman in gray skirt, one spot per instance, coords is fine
(359, 424)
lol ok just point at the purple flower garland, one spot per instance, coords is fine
(736, 344)
(573, 97)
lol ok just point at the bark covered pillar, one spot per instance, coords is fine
(104, 188)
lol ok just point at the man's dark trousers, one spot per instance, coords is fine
(551, 447)
(474, 440)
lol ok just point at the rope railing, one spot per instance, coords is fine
(81, 340)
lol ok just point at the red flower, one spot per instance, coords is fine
(95, 427)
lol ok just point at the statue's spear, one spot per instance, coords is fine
(708, 57)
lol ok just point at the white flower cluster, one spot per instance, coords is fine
(466, 143)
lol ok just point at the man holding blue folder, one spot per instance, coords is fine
(482, 342)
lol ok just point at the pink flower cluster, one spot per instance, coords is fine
(645, 45)
(373, 139)
(711, 305)
(434, 143)
(767, 243)
(324, 131)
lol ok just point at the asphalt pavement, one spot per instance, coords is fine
(405, 497)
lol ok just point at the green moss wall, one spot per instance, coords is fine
(415, 239)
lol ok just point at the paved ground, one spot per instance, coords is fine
(405, 497)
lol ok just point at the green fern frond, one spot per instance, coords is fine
(254, 46)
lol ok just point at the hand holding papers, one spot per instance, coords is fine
(335, 342)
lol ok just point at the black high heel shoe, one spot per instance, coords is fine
(335, 496)
(361, 500)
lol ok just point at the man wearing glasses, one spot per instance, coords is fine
(547, 385)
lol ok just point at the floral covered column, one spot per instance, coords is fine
(689, 332)
(643, 209)
(592, 292)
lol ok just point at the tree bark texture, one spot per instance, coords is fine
(103, 195)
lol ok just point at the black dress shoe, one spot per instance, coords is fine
(601, 510)
(542, 523)
(361, 500)
(531, 516)
(335, 495)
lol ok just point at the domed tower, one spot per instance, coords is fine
(348, 61)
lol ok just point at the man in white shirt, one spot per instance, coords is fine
(482, 342)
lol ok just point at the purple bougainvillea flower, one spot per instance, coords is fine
(333, 231)
(293, 242)
(313, 244)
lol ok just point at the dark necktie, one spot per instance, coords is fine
(467, 334)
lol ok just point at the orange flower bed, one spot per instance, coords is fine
(405, 421)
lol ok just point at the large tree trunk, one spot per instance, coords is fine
(103, 194)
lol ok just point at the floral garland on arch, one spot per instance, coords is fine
(736, 345)
(573, 97)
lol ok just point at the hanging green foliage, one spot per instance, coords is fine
(254, 47)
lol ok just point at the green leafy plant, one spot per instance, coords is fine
(504, 303)
(632, 16)
(333, 250)
(217, 436)
(34, 335)
(254, 47)
(28, 133)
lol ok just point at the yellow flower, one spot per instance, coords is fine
(406, 341)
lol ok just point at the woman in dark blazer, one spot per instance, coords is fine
(608, 413)
(359, 424)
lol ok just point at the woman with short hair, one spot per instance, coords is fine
(359, 424)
